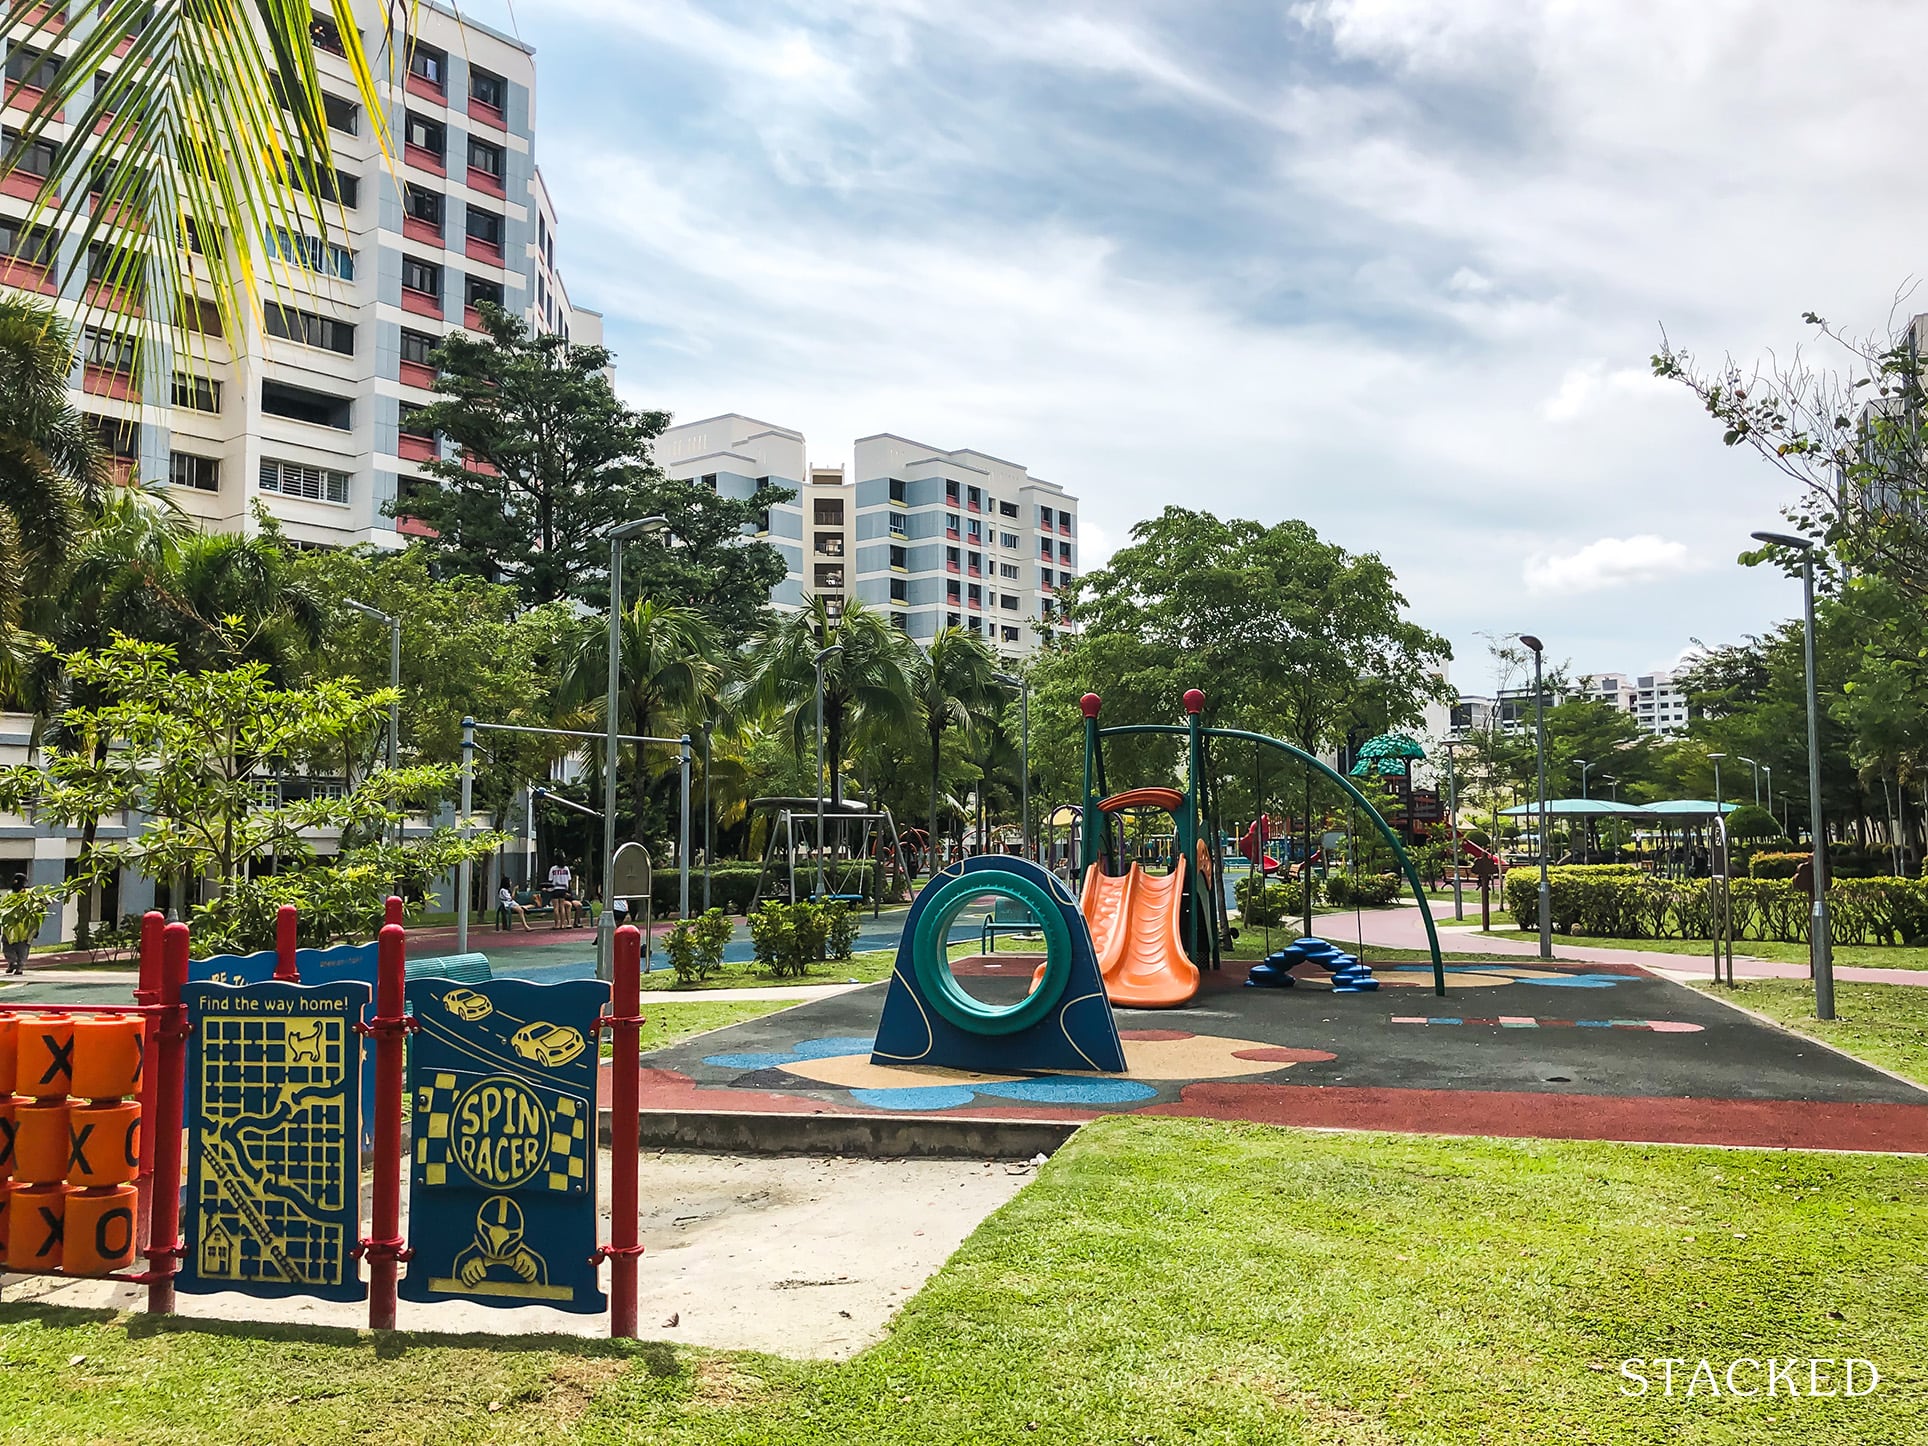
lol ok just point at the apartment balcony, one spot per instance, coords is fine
(952, 567)
(489, 115)
(416, 374)
(416, 229)
(423, 159)
(482, 181)
(421, 302)
(485, 251)
(25, 276)
(427, 89)
(950, 534)
(415, 448)
(975, 572)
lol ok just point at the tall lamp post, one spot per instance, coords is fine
(1023, 685)
(709, 841)
(1585, 768)
(1757, 777)
(1539, 750)
(394, 626)
(1820, 946)
(1613, 796)
(816, 664)
(1715, 758)
(606, 924)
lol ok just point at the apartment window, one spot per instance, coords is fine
(326, 36)
(299, 404)
(1010, 635)
(122, 439)
(1064, 521)
(898, 490)
(21, 242)
(32, 67)
(297, 479)
(487, 87)
(1007, 509)
(486, 157)
(417, 346)
(407, 424)
(311, 253)
(1064, 552)
(899, 590)
(477, 289)
(342, 115)
(830, 544)
(975, 561)
(900, 621)
(899, 557)
(950, 557)
(425, 134)
(196, 394)
(1007, 539)
(106, 350)
(485, 226)
(423, 205)
(828, 512)
(1008, 571)
(974, 595)
(1044, 517)
(336, 185)
(952, 591)
(1008, 602)
(763, 522)
(35, 160)
(185, 469)
(950, 493)
(1044, 547)
(113, 266)
(1044, 577)
(976, 624)
(974, 496)
(899, 524)
(829, 576)
(951, 523)
(428, 63)
(309, 329)
(422, 276)
(974, 530)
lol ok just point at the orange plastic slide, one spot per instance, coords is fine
(1134, 920)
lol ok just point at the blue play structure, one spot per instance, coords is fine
(1349, 976)
(1064, 1023)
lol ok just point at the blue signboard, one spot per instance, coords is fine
(502, 1175)
(273, 1131)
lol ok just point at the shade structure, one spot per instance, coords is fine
(1388, 755)
(1602, 808)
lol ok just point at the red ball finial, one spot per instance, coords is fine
(1090, 704)
(1194, 701)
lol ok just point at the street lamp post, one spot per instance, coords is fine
(816, 663)
(1539, 749)
(606, 924)
(709, 839)
(1613, 796)
(394, 626)
(1757, 776)
(1585, 768)
(1023, 685)
(1715, 758)
(1820, 946)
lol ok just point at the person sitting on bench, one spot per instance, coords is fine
(505, 903)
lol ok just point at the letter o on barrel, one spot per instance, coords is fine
(99, 1230)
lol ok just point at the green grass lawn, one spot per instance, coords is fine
(671, 1021)
(1165, 1281)
(1873, 956)
(1885, 1024)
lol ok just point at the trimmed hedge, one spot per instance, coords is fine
(1368, 891)
(732, 884)
(1277, 903)
(1775, 865)
(1615, 901)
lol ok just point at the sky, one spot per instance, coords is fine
(1395, 267)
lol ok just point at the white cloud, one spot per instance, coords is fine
(1587, 387)
(1609, 562)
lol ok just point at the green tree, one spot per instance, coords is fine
(201, 756)
(952, 686)
(51, 468)
(868, 683)
(548, 458)
(672, 675)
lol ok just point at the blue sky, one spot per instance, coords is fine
(1392, 266)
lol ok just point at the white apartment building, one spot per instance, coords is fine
(934, 538)
(311, 417)
(1654, 700)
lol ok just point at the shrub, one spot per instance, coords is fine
(695, 946)
(1367, 891)
(1636, 906)
(841, 936)
(1775, 865)
(1274, 903)
(772, 936)
(789, 938)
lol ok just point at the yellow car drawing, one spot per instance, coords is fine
(548, 1044)
(467, 1004)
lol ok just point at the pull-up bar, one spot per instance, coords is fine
(470, 727)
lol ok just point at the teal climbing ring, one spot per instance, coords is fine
(930, 953)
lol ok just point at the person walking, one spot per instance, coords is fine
(23, 921)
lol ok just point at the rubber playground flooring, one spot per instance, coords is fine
(1607, 1052)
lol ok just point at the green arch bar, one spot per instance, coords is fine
(1385, 829)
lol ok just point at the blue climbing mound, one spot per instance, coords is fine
(1349, 975)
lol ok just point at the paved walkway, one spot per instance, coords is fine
(1402, 928)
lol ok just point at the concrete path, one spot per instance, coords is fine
(1402, 928)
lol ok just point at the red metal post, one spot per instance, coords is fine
(287, 921)
(148, 992)
(392, 911)
(625, 1068)
(383, 1248)
(163, 1126)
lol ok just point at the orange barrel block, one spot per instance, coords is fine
(9, 1036)
(99, 1234)
(44, 1066)
(40, 1143)
(103, 1143)
(37, 1227)
(107, 1056)
(9, 1107)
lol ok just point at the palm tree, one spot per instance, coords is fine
(208, 132)
(952, 686)
(867, 684)
(52, 466)
(672, 673)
